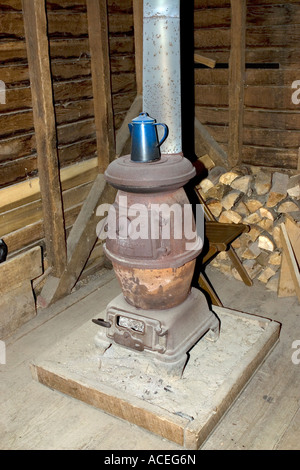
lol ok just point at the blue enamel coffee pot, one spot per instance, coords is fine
(145, 146)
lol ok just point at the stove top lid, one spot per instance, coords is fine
(170, 173)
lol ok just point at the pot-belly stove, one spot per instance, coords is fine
(158, 314)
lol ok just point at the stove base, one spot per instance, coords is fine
(165, 336)
(183, 410)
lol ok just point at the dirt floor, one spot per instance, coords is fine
(265, 416)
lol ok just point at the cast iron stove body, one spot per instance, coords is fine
(157, 314)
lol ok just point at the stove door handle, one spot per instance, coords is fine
(103, 323)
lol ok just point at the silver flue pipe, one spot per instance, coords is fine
(162, 71)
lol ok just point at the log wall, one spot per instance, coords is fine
(271, 127)
(21, 219)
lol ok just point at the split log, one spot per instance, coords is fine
(262, 183)
(265, 243)
(242, 184)
(279, 188)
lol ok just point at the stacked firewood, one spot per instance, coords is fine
(262, 199)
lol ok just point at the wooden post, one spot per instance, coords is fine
(236, 80)
(138, 10)
(100, 65)
(35, 24)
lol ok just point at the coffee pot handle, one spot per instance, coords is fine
(165, 134)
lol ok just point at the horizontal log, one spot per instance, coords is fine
(77, 152)
(259, 137)
(274, 138)
(213, 95)
(286, 57)
(204, 4)
(268, 157)
(22, 121)
(267, 97)
(62, 24)
(275, 119)
(270, 97)
(257, 15)
(31, 213)
(266, 77)
(28, 191)
(212, 115)
(18, 170)
(76, 5)
(34, 233)
(267, 119)
(19, 99)
(22, 168)
(15, 50)
(19, 269)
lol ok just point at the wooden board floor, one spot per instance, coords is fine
(265, 416)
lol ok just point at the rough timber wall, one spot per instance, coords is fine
(21, 223)
(271, 134)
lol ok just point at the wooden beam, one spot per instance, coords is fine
(123, 133)
(35, 23)
(101, 78)
(138, 15)
(236, 81)
(215, 151)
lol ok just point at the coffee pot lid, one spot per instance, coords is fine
(143, 118)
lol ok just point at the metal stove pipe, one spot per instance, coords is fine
(162, 74)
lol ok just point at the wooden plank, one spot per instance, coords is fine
(293, 231)
(190, 427)
(35, 24)
(100, 65)
(236, 81)
(16, 308)
(15, 271)
(138, 15)
(291, 261)
(200, 59)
